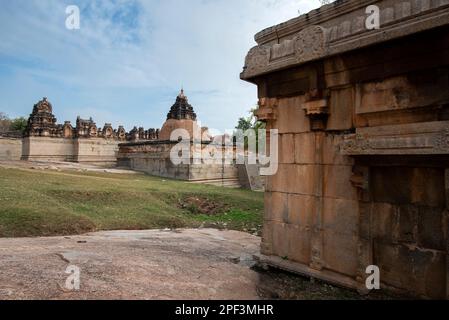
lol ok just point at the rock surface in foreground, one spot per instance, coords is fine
(185, 264)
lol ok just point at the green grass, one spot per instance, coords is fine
(37, 203)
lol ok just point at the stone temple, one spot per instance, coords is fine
(154, 157)
(143, 150)
(46, 140)
(363, 120)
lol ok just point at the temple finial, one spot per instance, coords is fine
(181, 94)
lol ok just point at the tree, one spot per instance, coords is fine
(5, 122)
(251, 122)
(19, 124)
(244, 124)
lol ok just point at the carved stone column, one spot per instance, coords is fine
(317, 240)
(316, 108)
(360, 180)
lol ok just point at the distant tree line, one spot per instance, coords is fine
(16, 125)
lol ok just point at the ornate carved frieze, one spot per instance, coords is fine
(307, 45)
(405, 139)
(339, 29)
(42, 123)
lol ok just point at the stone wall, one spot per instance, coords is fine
(153, 157)
(48, 149)
(10, 149)
(364, 145)
(96, 151)
(93, 150)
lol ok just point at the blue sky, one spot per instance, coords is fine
(129, 59)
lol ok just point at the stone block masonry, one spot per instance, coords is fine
(10, 149)
(45, 140)
(363, 120)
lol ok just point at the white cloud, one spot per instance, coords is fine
(138, 45)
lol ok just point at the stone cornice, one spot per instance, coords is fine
(339, 28)
(315, 17)
(405, 139)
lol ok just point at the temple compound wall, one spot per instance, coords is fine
(45, 140)
(154, 157)
(363, 120)
(10, 148)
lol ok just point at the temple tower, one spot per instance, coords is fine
(42, 122)
(181, 116)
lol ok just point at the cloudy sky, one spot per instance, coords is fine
(129, 59)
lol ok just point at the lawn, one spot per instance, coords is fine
(47, 203)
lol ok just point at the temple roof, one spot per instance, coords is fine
(43, 106)
(181, 110)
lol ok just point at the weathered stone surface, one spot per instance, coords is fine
(293, 178)
(332, 154)
(149, 264)
(405, 185)
(304, 148)
(336, 29)
(276, 207)
(431, 224)
(341, 216)
(337, 182)
(287, 148)
(280, 240)
(153, 157)
(10, 149)
(301, 210)
(340, 109)
(43, 148)
(411, 268)
(412, 139)
(339, 252)
(398, 93)
(298, 243)
(369, 182)
(292, 119)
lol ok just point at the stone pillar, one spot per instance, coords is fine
(316, 109)
(360, 180)
(317, 262)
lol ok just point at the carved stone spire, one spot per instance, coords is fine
(181, 110)
(42, 122)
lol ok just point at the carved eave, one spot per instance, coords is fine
(318, 112)
(340, 29)
(406, 139)
(267, 109)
